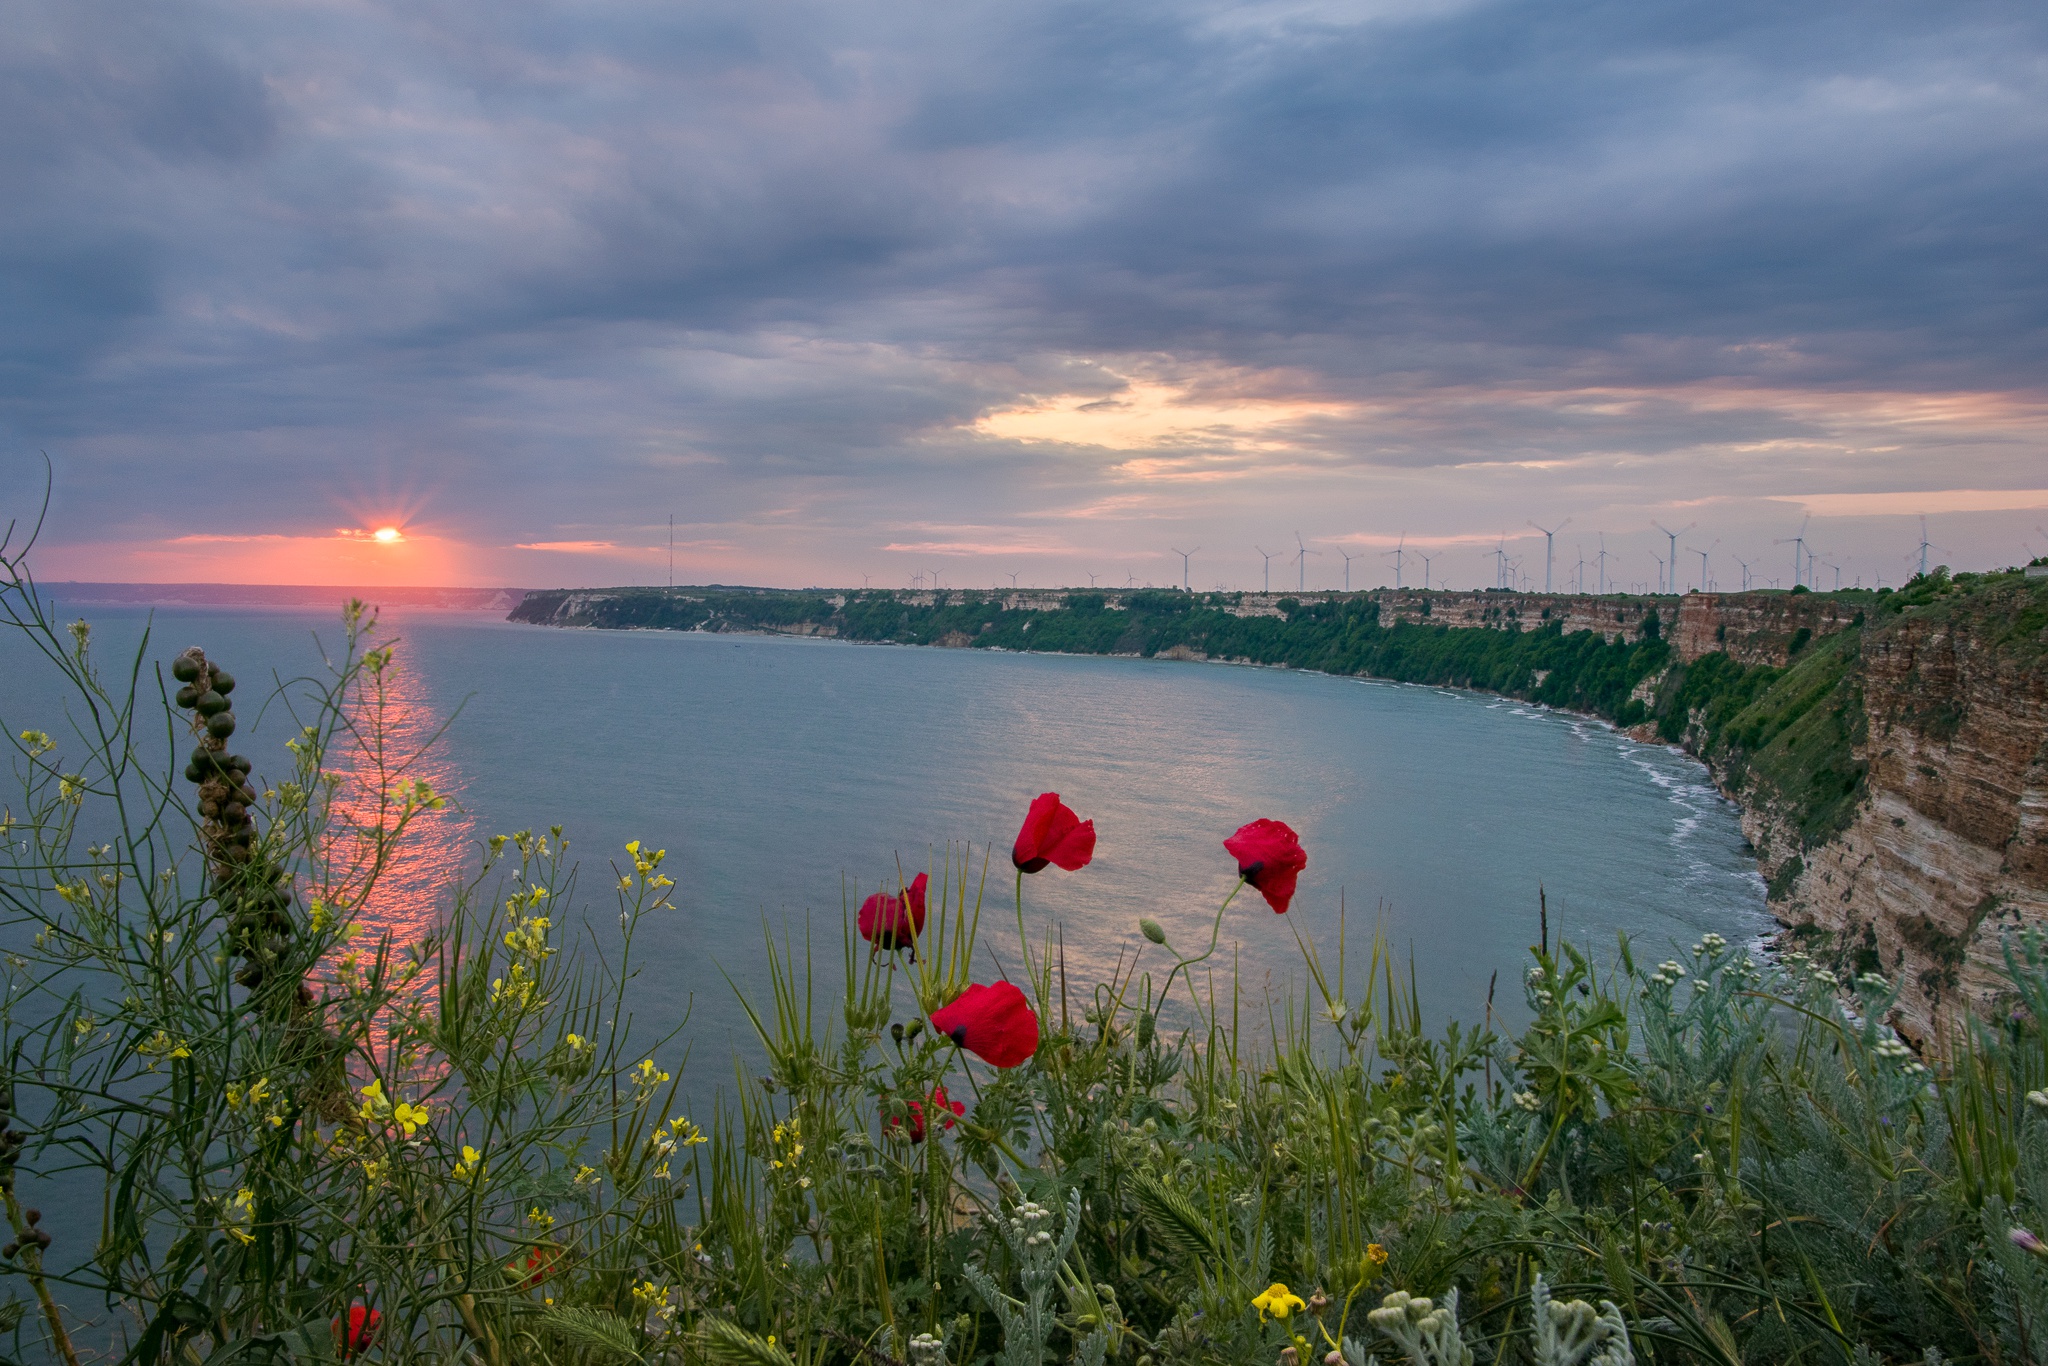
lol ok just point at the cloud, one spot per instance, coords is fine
(806, 274)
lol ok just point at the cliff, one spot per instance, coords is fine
(1941, 710)
(1889, 750)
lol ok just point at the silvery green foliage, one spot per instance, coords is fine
(1572, 1332)
(1426, 1331)
(1028, 1323)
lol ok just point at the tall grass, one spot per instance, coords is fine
(314, 1144)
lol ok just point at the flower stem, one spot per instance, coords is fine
(32, 1260)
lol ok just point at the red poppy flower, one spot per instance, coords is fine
(355, 1339)
(941, 1106)
(888, 922)
(993, 1023)
(540, 1264)
(1052, 833)
(1270, 857)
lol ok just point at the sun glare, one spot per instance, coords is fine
(386, 534)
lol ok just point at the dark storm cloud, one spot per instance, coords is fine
(557, 254)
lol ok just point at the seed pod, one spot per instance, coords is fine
(1145, 1030)
(194, 773)
(209, 809)
(223, 682)
(211, 703)
(184, 668)
(896, 1031)
(239, 764)
(188, 697)
(221, 726)
(10, 1250)
(34, 1217)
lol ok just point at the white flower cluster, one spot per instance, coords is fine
(1030, 1215)
(1895, 1050)
(1872, 981)
(1528, 1100)
(1668, 972)
(927, 1350)
(1709, 943)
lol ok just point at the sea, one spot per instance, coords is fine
(787, 778)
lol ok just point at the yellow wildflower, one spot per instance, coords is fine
(685, 1133)
(409, 1117)
(1278, 1301)
(38, 743)
(647, 1076)
(471, 1165)
(376, 1105)
(162, 1045)
(1377, 1255)
(540, 1218)
(241, 1212)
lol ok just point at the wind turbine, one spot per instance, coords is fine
(1548, 534)
(1013, 582)
(1348, 558)
(1798, 544)
(1673, 561)
(1184, 554)
(1602, 557)
(935, 580)
(1694, 550)
(1660, 570)
(1579, 571)
(1301, 554)
(1745, 572)
(1500, 562)
(1425, 567)
(1398, 555)
(1838, 575)
(1269, 565)
(1092, 578)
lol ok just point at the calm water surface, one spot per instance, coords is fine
(783, 775)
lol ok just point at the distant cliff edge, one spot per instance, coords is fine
(1889, 750)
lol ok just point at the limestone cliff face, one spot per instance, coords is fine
(1757, 628)
(1948, 852)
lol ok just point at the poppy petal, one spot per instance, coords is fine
(992, 1022)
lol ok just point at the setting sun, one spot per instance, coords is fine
(386, 534)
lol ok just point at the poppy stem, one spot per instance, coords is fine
(1024, 947)
(1215, 933)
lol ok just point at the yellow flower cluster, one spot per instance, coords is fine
(241, 1213)
(37, 743)
(647, 1076)
(161, 1045)
(377, 1108)
(471, 1166)
(647, 864)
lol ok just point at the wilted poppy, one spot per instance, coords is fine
(941, 1106)
(993, 1023)
(1052, 833)
(889, 922)
(1269, 857)
(355, 1337)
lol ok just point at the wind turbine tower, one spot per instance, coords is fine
(1798, 544)
(1301, 554)
(1745, 572)
(1425, 568)
(1348, 558)
(1269, 565)
(1602, 558)
(1398, 555)
(1184, 554)
(1548, 535)
(1672, 563)
(1693, 550)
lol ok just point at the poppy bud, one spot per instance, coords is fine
(913, 1029)
(896, 1033)
(1152, 930)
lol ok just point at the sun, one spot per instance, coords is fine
(387, 534)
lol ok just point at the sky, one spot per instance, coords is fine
(857, 292)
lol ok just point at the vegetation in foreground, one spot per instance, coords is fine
(314, 1144)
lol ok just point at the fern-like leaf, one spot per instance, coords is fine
(727, 1344)
(1175, 1221)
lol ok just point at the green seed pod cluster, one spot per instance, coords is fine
(255, 897)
